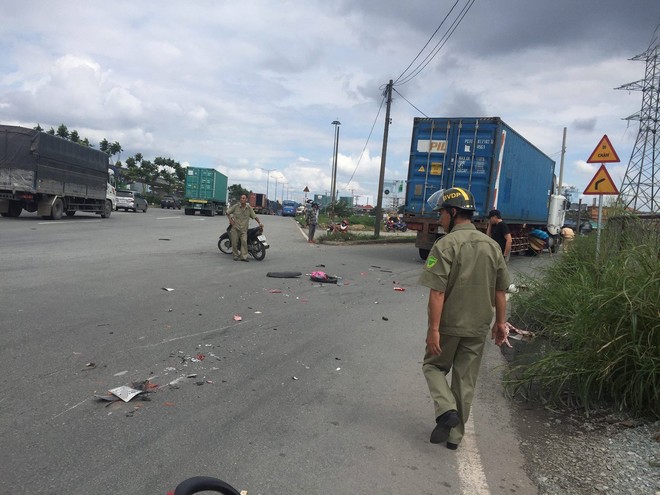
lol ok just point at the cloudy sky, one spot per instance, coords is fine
(254, 85)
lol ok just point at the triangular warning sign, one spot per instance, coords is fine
(421, 169)
(602, 183)
(306, 189)
(604, 152)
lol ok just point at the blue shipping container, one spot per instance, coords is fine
(501, 168)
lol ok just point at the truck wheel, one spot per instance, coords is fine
(106, 211)
(14, 210)
(56, 210)
(70, 213)
(424, 253)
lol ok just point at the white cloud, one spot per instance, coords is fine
(239, 86)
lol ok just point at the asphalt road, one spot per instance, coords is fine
(317, 390)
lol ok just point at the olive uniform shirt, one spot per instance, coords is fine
(468, 267)
(241, 216)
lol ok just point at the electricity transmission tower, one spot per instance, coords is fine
(640, 189)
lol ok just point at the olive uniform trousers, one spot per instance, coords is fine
(461, 356)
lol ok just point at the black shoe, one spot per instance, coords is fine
(445, 423)
(452, 446)
(245, 259)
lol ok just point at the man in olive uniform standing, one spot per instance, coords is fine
(467, 277)
(239, 217)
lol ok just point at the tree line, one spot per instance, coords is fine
(161, 174)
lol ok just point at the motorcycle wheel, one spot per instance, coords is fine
(403, 229)
(224, 245)
(258, 251)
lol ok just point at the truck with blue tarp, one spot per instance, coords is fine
(500, 167)
(206, 192)
(50, 175)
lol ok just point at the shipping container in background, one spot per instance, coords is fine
(206, 191)
(258, 202)
(501, 168)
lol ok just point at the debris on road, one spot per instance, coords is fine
(399, 289)
(125, 393)
(238, 318)
(168, 289)
(284, 274)
(323, 277)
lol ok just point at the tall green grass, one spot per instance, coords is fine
(597, 320)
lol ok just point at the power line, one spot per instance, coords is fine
(410, 103)
(441, 43)
(427, 43)
(365, 144)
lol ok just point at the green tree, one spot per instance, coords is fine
(63, 132)
(38, 128)
(104, 146)
(115, 149)
(236, 191)
(74, 136)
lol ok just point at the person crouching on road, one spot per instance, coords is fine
(312, 220)
(467, 277)
(239, 217)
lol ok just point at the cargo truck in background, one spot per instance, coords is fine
(206, 192)
(501, 168)
(43, 173)
(258, 202)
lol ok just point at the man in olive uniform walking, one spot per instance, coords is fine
(239, 217)
(467, 277)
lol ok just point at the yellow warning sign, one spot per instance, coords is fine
(436, 168)
(602, 183)
(604, 152)
(421, 169)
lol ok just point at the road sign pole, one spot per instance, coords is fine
(600, 220)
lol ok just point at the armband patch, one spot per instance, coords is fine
(431, 261)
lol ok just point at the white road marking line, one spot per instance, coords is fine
(470, 469)
(75, 222)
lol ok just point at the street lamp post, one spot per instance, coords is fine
(333, 186)
(267, 184)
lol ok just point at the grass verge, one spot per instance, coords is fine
(598, 320)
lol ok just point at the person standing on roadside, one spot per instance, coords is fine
(467, 277)
(499, 231)
(312, 219)
(567, 235)
(239, 217)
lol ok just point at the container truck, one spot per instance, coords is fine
(52, 176)
(258, 202)
(501, 168)
(206, 192)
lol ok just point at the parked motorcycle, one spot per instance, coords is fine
(392, 226)
(257, 243)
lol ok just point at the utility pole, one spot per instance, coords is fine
(640, 190)
(381, 179)
(333, 186)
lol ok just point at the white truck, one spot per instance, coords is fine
(43, 173)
